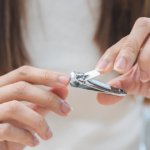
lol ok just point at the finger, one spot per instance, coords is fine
(19, 112)
(132, 46)
(106, 63)
(144, 62)
(39, 109)
(19, 125)
(130, 82)
(62, 93)
(36, 95)
(11, 133)
(35, 76)
(105, 99)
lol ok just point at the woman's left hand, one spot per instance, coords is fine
(122, 56)
(61, 92)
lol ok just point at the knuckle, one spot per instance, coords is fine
(12, 107)
(124, 38)
(5, 129)
(26, 135)
(143, 59)
(114, 50)
(131, 47)
(111, 51)
(47, 75)
(50, 97)
(20, 87)
(40, 121)
(23, 70)
(142, 22)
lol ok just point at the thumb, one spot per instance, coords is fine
(128, 82)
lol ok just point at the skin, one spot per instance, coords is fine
(19, 122)
(122, 56)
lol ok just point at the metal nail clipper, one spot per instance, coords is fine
(86, 81)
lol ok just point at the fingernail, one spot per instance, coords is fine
(120, 65)
(63, 79)
(36, 141)
(65, 107)
(49, 134)
(101, 65)
(143, 76)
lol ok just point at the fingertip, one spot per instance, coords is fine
(144, 77)
(102, 71)
(65, 107)
(49, 134)
(105, 99)
(106, 70)
(98, 99)
(123, 65)
(121, 71)
(102, 65)
(63, 79)
(144, 81)
(101, 100)
(117, 69)
(35, 141)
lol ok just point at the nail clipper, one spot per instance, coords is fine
(86, 81)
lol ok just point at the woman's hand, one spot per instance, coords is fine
(122, 56)
(18, 122)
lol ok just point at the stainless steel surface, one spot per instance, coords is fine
(85, 81)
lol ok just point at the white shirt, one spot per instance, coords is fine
(60, 38)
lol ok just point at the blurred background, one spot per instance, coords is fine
(66, 36)
(72, 35)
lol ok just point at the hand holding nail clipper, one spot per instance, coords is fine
(122, 56)
(19, 122)
(86, 81)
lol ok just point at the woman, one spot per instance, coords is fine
(67, 45)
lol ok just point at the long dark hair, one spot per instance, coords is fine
(116, 20)
(12, 51)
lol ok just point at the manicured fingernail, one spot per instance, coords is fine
(65, 107)
(143, 76)
(63, 79)
(120, 65)
(49, 134)
(36, 141)
(101, 65)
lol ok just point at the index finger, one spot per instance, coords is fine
(62, 93)
(35, 76)
(123, 54)
(129, 51)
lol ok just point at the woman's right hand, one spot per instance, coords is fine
(18, 122)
